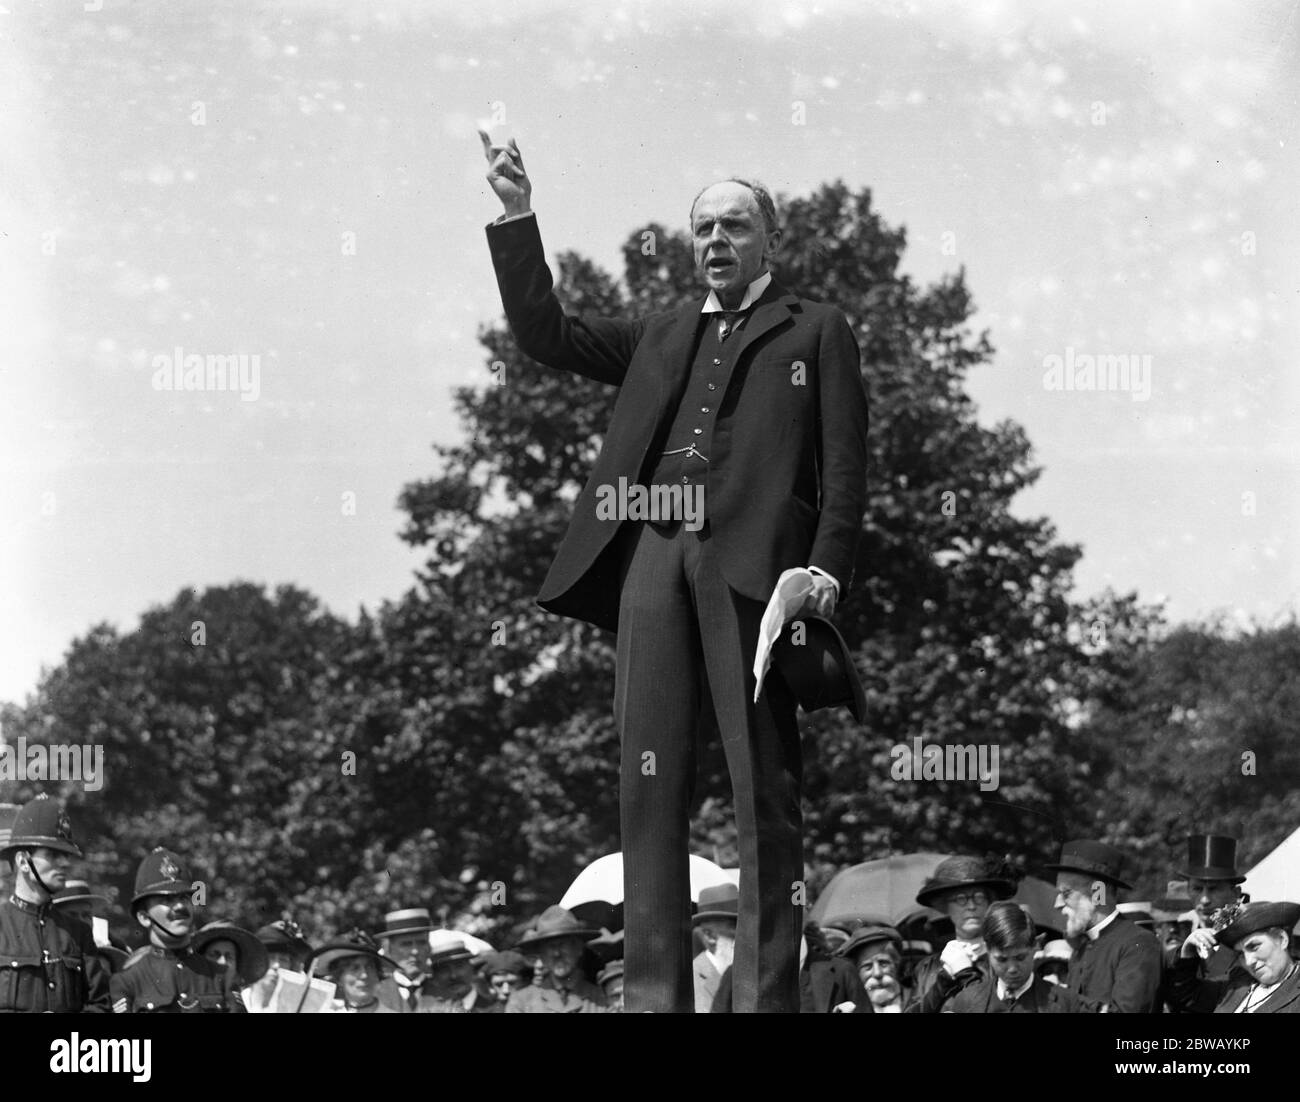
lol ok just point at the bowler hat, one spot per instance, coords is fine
(817, 666)
(41, 822)
(1095, 859)
(959, 873)
(1212, 857)
(76, 891)
(1244, 919)
(253, 958)
(356, 943)
(411, 920)
(161, 873)
(555, 922)
(718, 901)
(864, 936)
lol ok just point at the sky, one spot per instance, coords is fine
(300, 183)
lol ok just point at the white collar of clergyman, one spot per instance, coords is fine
(1004, 994)
(1094, 932)
(752, 294)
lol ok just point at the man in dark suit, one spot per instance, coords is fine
(746, 413)
(1116, 964)
(1213, 882)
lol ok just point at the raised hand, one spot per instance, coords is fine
(506, 174)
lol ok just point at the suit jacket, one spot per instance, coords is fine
(981, 997)
(1119, 971)
(706, 983)
(1194, 994)
(786, 483)
(393, 996)
(824, 983)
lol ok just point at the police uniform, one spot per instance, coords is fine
(157, 980)
(48, 960)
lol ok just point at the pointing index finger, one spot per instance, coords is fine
(487, 143)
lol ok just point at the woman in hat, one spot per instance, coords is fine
(236, 950)
(287, 950)
(355, 965)
(1267, 980)
(1012, 986)
(963, 888)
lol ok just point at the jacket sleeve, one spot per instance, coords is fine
(597, 348)
(1137, 978)
(842, 453)
(120, 994)
(1188, 993)
(99, 999)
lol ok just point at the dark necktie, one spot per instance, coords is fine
(730, 319)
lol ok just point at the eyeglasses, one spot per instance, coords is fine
(961, 899)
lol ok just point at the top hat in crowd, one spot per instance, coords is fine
(76, 891)
(1095, 859)
(1212, 857)
(411, 920)
(865, 936)
(819, 670)
(356, 943)
(41, 822)
(957, 873)
(254, 961)
(162, 873)
(718, 901)
(284, 936)
(1239, 920)
(555, 922)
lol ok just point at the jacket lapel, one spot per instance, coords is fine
(675, 359)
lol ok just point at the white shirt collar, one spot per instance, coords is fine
(752, 294)
(1094, 932)
(1004, 994)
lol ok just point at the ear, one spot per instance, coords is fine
(772, 245)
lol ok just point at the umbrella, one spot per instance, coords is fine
(879, 891)
(602, 881)
(885, 891)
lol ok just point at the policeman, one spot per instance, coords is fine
(48, 961)
(167, 976)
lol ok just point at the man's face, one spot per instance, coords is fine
(614, 992)
(719, 937)
(1264, 955)
(878, 970)
(453, 979)
(732, 246)
(51, 865)
(1012, 966)
(1074, 900)
(1209, 895)
(561, 956)
(411, 951)
(224, 953)
(173, 913)
(967, 909)
(358, 979)
(503, 983)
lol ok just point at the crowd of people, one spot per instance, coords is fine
(1203, 948)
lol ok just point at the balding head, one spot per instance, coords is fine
(733, 236)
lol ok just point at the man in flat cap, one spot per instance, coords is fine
(1265, 978)
(52, 963)
(1116, 967)
(167, 976)
(877, 953)
(715, 922)
(558, 940)
(504, 972)
(744, 415)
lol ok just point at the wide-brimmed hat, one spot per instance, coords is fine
(253, 958)
(1239, 920)
(864, 936)
(959, 873)
(76, 891)
(1212, 857)
(356, 943)
(410, 920)
(162, 873)
(284, 935)
(817, 666)
(1089, 858)
(41, 822)
(717, 901)
(555, 922)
